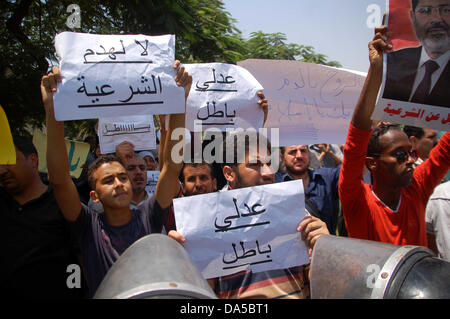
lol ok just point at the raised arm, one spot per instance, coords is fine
(65, 191)
(366, 103)
(168, 185)
(263, 104)
(162, 141)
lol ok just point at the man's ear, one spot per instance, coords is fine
(413, 141)
(94, 196)
(34, 160)
(229, 174)
(371, 164)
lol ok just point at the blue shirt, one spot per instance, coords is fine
(323, 192)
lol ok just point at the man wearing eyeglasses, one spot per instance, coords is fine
(422, 74)
(392, 209)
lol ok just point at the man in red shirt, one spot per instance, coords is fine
(392, 210)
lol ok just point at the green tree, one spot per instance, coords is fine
(273, 46)
(204, 31)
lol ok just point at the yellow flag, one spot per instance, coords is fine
(77, 153)
(7, 150)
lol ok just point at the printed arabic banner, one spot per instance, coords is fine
(408, 95)
(7, 150)
(248, 228)
(139, 130)
(309, 103)
(116, 75)
(223, 96)
(77, 153)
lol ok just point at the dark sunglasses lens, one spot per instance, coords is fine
(403, 156)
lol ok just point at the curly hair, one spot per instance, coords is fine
(373, 149)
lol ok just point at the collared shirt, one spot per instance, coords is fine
(441, 61)
(323, 192)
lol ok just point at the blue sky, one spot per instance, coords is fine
(336, 28)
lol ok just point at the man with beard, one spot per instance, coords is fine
(392, 210)
(253, 168)
(422, 74)
(321, 185)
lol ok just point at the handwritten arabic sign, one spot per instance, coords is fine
(7, 151)
(408, 94)
(139, 130)
(152, 180)
(223, 96)
(116, 75)
(309, 103)
(248, 228)
(77, 153)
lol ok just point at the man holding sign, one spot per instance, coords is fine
(105, 236)
(254, 170)
(392, 210)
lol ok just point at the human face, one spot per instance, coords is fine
(425, 144)
(253, 172)
(16, 178)
(150, 162)
(198, 180)
(431, 20)
(137, 173)
(388, 169)
(112, 187)
(296, 159)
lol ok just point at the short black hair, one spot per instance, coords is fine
(373, 149)
(414, 4)
(231, 144)
(192, 164)
(99, 162)
(414, 131)
(24, 144)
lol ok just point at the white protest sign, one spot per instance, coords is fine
(116, 75)
(248, 228)
(408, 113)
(222, 96)
(152, 180)
(139, 130)
(309, 103)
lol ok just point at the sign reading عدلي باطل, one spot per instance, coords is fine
(223, 96)
(8, 151)
(248, 228)
(116, 75)
(77, 153)
(309, 103)
(416, 80)
(139, 130)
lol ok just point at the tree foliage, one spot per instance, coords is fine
(205, 32)
(273, 46)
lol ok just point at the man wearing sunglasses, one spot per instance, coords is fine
(422, 74)
(392, 210)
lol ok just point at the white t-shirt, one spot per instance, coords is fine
(438, 219)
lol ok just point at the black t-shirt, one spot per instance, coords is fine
(101, 243)
(37, 248)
